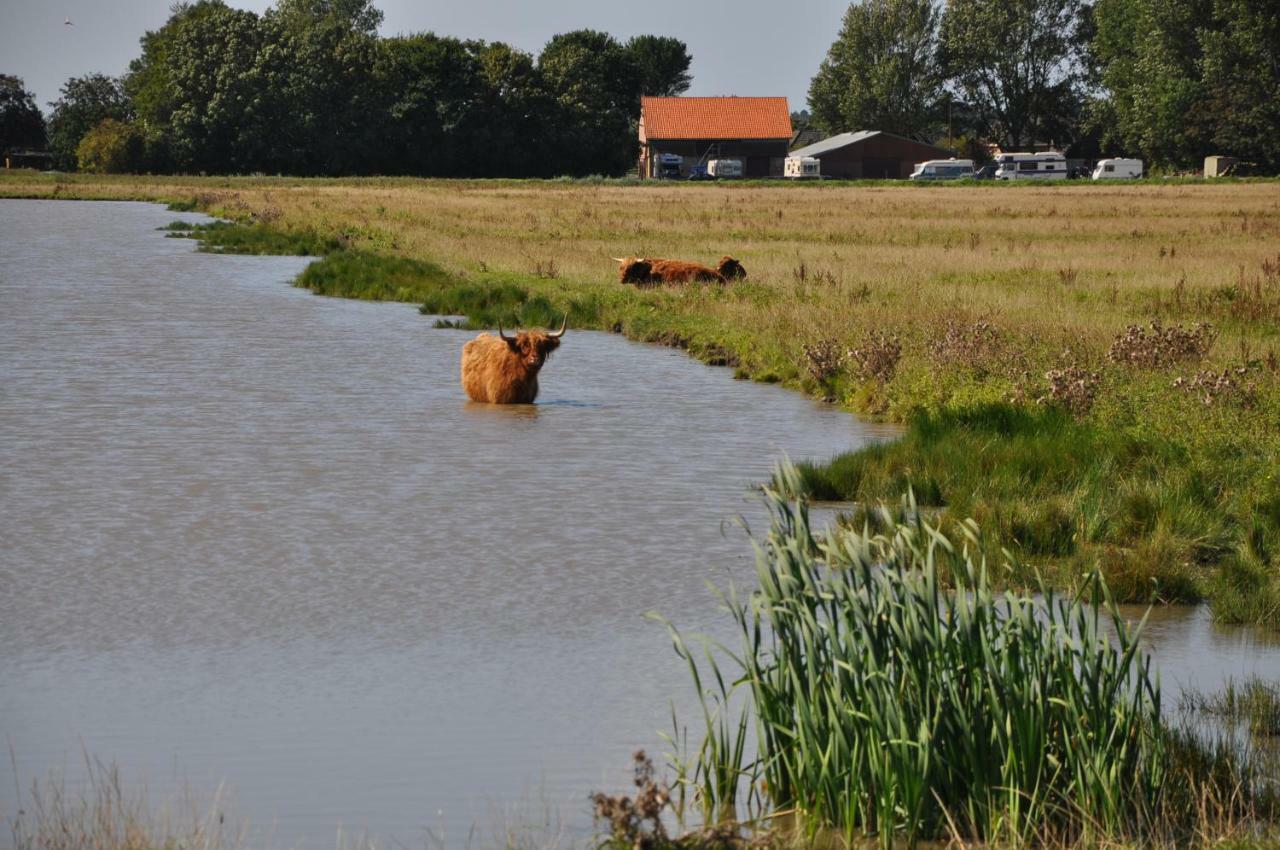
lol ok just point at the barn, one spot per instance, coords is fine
(756, 130)
(870, 155)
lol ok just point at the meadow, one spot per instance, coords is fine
(1088, 371)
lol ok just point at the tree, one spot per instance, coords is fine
(84, 104)
(21, 124)
(596, 89)
(112, 147)
(661, 65)
(1017, 62)
(882, 71)
(1241, 64)
(1148, 57)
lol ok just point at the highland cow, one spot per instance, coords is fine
(504, 369)
(645, 271)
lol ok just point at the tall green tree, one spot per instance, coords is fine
(1148, 57)
(882, 71)
(1018, 63)
(84, 103)
(661, 65)
(1241, 65)
(21, 123)
(596, 90)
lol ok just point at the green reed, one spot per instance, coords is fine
(894, 693)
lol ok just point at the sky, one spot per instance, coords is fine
(747, 47)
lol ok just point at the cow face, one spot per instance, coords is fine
(731, 269)
(533, 347)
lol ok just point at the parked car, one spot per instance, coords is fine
(1049, 165)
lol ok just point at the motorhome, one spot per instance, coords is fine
(670, 166)
(1050, 165)
(724, 167)
(1117, 169)
(802, 167)
(943, 169)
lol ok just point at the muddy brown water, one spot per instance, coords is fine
(256, 537)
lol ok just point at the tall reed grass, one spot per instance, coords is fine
(894, 693)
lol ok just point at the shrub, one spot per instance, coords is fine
(112, 147)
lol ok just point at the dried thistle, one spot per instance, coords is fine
(1162, 347)
(974, 345)
(636, 822)
(1072, 387)
(823, 359)
(877, 357)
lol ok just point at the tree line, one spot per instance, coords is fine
(309, 88)
(1171, 81)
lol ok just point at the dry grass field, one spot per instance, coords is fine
(993, 319)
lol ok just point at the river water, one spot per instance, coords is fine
(256, 537)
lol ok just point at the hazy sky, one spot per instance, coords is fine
(748, 47)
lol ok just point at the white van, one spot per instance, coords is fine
(1117, 169)
(801, 167)
(943, 169)
(724, 167)
(1050, 165)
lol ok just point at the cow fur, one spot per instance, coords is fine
(644, 271)
(505, 371)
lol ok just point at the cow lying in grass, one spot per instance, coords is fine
(645, 271)
(504, 369)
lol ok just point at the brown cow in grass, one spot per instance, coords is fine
(645, 271)
(504, 369)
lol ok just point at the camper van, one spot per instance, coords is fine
(802, 167)
(1117, 169)
(724, 167)
(1050, 165)
(670, 165)
(943, 169)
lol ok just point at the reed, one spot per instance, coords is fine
(895, 694)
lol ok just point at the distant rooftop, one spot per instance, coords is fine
(835, 143)
(715, 118)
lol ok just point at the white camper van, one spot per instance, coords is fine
(1117, 169)
(802, 167)
(943, 169)
(724, 167)
(1050, 165)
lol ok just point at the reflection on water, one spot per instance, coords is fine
(255, 536)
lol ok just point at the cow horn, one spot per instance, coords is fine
(501, 334)
(563, 323)
(619, 259)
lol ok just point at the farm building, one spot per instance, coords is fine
(870, 155)
(755, 130)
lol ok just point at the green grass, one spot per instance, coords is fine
(895, 694)
(226, 237)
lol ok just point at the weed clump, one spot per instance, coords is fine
(1162, 347)
(636, 822)
(973, 346)
(1072, 387)
(877, 358)
(823, 359)
(1230, 386)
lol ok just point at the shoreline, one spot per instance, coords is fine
(1128, 482)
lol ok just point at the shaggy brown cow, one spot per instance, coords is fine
(504, 369)
(642, 270)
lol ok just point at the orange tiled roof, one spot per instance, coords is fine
(715, 118)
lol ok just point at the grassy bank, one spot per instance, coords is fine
(1009, 326)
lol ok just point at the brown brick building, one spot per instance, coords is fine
(756, 130)
(870, 155)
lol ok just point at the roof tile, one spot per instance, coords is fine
(715, 118)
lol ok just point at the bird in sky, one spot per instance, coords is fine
(68, 23)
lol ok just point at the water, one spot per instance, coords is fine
(258, 537)
(255, 537)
